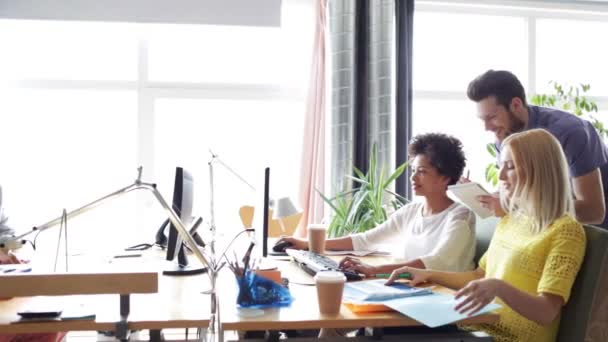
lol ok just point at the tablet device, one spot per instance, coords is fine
(466, 193)
(39, 314)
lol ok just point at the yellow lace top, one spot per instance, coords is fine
(545, 262)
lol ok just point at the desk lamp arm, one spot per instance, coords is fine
(85, 208)
(17, 241)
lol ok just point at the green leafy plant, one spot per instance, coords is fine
(572, 99)
(491, 171)
(569, 98)
(363, 208)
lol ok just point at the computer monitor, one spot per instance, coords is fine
(260, 213)
(266, 208)
(183, 200)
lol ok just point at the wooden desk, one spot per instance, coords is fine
(179, 303)
(304, 311)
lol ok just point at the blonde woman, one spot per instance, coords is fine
(536, 250)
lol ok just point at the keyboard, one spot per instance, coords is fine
(312, 263)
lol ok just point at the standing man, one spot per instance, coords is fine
(501, 105)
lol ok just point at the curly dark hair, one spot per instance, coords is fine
(499, 83)
(443, 151)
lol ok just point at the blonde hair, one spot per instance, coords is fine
(543, 190)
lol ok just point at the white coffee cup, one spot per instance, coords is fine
(330, 285)
(316, 238)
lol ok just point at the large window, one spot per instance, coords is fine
(569, 51)
(85, 103)
(446, 56)
(537, 44)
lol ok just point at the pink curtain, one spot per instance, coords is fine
(313, 149)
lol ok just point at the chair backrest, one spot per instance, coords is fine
(483, 235)
(585, 316)
(275, 227)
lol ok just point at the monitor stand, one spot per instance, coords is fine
(176, 270)
(181, 267)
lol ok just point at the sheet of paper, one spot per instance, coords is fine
(433, 310)
(466, 193)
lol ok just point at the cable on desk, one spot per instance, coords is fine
(223, 255)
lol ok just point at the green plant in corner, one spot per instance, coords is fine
(572, 99)
(569, 98)
(363, 208)
(491, 171)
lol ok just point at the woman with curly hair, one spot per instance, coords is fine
(434, 233)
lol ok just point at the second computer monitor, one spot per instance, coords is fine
(266, 208)
(260, 213)
(182, 205)
(183, 200)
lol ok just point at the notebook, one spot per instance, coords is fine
(466, 193)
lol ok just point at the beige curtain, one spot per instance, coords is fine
(313, 149)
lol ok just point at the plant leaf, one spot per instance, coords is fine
(398, 171)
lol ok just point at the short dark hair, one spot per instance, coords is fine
(443, 151)
(499, 83)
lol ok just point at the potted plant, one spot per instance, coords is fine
(364, 207)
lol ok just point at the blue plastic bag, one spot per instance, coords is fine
(258, 292)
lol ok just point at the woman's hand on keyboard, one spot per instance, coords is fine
(356, 265)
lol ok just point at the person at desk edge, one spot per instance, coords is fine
(501, 105)
(535, 252)
(436, 232)
(9, 258)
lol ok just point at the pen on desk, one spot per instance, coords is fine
(405, 275)
(128, 255)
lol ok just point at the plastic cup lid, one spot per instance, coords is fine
(330, 277)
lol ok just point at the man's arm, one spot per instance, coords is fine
(589, 198)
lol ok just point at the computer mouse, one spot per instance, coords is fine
(282, 246)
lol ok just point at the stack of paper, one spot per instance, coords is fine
(429, 308)
(375, 290)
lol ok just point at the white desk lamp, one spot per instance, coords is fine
(215, 159)
(283, 207)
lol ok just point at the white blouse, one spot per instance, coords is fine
(443, 241)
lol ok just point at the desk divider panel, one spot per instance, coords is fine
(53, 284)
